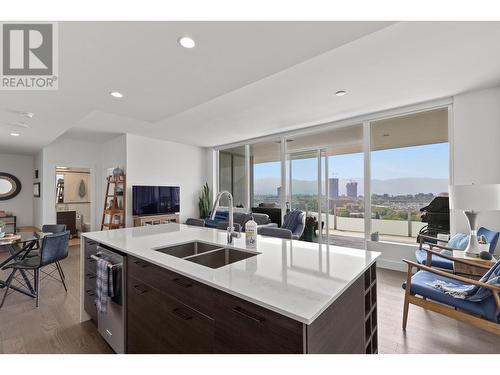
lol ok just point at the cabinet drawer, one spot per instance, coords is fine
(90, 263)
(189, 292)
(242, 327)
(89, 303)
(89, 281)
(90, 246)
(159, 324)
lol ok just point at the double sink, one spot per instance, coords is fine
(208, 255)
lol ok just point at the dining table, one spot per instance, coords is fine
(19, 246)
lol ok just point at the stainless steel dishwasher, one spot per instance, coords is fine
(111, 324)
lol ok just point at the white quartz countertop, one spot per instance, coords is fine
(294, 278)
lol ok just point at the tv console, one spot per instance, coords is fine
(140, 221)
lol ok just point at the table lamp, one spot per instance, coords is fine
(472, 199)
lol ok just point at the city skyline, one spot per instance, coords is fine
(393, 171)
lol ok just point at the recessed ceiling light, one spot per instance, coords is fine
(341, 93)
(14, 134)
(186, 42)
(116, 94)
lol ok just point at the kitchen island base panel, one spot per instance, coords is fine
(164, 317)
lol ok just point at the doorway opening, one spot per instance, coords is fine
(73, 200)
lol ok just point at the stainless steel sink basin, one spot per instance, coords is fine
(188, 249)
(220, 258)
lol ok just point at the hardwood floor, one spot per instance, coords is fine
(54, 327)
(427, 332)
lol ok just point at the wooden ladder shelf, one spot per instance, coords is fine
(113, 214)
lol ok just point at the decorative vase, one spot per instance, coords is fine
(118, 171)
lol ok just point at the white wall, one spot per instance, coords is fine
(20, 166)
(69, 153)
(156, 162)
(476, 147)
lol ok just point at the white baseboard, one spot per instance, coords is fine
(391, 264)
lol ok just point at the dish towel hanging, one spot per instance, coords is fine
(104, 284)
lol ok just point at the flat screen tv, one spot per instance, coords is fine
(155, 200)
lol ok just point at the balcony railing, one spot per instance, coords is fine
(402, 228)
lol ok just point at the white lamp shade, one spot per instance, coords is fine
(475, 197)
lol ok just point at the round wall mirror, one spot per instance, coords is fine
(10, 186)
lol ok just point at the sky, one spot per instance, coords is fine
(418, 161)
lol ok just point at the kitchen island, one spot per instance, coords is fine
(187, 291)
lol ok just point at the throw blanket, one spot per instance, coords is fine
(104, 285)
(470, 292)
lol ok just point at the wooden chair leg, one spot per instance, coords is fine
(406, 303)
(406, 306)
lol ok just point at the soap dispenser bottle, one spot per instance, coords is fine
(251, 233)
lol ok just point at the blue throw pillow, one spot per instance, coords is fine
(459, 241)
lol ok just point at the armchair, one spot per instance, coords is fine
(293, 224)
(418, 291)
(437, 260)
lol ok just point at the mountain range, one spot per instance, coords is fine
(396, 186)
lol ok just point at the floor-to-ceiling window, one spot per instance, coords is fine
(409, 169)
(233, 175)
(340, 173)
(265, 169)
(324, 171)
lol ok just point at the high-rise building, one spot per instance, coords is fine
(334, 187)
(352, 189)
(278, 191)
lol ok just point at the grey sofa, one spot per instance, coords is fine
(241, 218)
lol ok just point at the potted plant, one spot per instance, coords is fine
(204, 201)
(309, 228)
(483, 243)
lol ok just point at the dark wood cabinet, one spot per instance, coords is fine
(68, 218)
(89, 279)
(186, 290)
(160, 324)
(243, 327)
(170, 313)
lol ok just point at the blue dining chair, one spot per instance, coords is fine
(51, 228)
(54, 248)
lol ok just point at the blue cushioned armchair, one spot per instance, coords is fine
(437, 260)
(293, 226)
(484, 314)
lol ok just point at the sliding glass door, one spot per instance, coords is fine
(363, 181)
(307, 188)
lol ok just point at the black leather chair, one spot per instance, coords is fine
(54, 249)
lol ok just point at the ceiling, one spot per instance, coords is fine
(243, 79)
(417, 129)
(158, 77)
